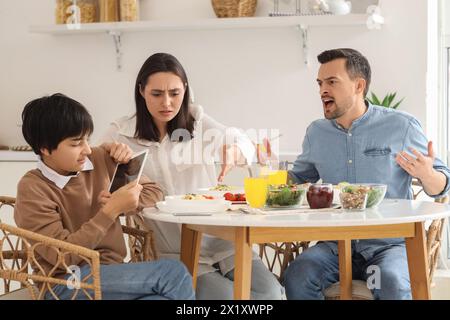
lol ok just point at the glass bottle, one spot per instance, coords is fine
(75, 11)
(129, 10)
(109, 10)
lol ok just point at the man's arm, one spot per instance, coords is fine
(420, 162)
(304, 169)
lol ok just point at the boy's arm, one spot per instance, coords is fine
(150, 194)
(35, 211)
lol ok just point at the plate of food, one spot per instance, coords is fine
(193, 198)
(193, 204)
(220, 190)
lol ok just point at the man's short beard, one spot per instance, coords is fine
(335, 114)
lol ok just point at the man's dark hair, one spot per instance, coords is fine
(356, 64)
(145, 126)
(49, 120)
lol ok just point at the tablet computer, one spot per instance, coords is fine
(127, 172)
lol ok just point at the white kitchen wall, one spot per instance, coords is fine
(446, 22)
(245, 78)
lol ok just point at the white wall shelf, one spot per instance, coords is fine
(117, 29)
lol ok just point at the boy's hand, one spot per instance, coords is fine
(120, 152)
(103, 197)
(125, 199)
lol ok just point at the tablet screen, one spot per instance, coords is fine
(127, 172)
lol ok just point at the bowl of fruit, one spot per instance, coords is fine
(320, 195)
(285, 195)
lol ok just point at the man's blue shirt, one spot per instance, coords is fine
(365, 153)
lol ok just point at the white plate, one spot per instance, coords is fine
(179, 201)
(193, 209)
(219, 194)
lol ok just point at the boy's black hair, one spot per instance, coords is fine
(49, 120)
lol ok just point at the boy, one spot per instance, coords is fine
(65, 198)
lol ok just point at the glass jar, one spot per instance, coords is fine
(109, 10)
(129, 10)
(75, 11)
(320, 195)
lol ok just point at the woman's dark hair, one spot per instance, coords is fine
(145, 126)
(356, 64)
(49, 120)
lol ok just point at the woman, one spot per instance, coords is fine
(183, 143)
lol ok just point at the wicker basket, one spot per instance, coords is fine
(234, 8)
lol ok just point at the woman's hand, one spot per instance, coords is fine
(231, 154)
(120, 152)
(263, 152)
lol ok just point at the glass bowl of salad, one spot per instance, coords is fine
(285, 195)
(377, 192)
(354, 197)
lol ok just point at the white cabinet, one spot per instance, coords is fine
(10, 173)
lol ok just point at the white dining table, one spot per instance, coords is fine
(393, 218)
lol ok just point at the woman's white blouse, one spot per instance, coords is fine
(184, 167)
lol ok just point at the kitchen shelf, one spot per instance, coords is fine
(117, 29)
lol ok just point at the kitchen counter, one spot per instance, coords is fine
(17, 156)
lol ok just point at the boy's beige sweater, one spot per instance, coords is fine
(73, 213)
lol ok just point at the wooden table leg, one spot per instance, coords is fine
(418, 263)
(190, 250)
(345, 268)
(243, 264)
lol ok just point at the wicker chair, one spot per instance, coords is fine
(18, 259)
(284, 253)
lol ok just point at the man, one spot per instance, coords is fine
(358, 142)
(66, 198)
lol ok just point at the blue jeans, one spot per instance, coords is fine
(317, 268)
(215, 286)
(152, 280)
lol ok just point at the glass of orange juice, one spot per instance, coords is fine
(256, 191)
(277, 177)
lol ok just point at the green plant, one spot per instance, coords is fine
(387, 101)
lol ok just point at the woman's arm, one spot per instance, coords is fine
(234, 147)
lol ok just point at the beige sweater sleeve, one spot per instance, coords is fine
(150, 194)
(37, 210)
